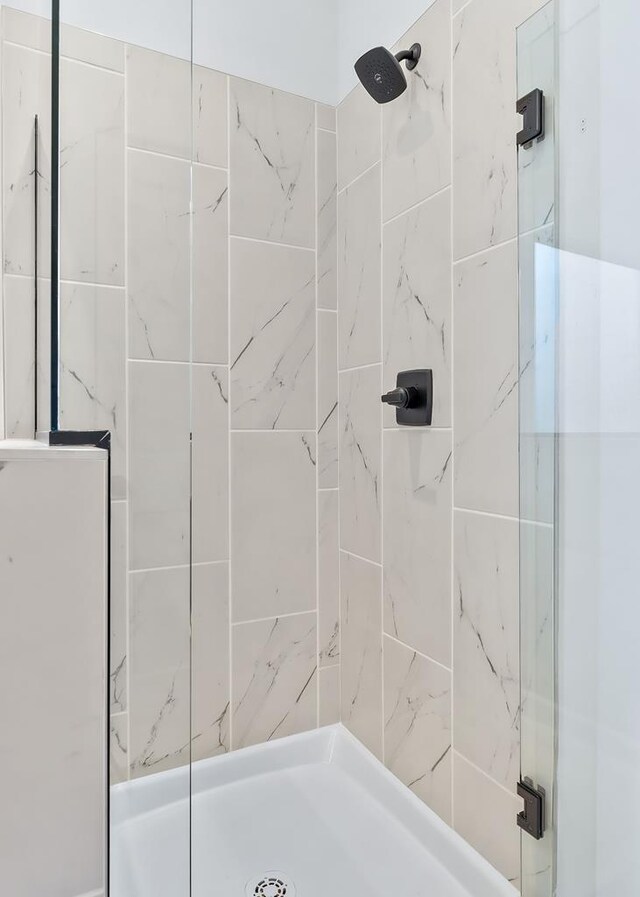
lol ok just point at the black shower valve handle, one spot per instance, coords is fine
(412, 398)
(402, 397)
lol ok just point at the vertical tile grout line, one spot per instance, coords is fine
(451, 412)
(317, 395)
(381, 425)
(127, 392)
(337, 373)
(229, 491)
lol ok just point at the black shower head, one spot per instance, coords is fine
(381, 73)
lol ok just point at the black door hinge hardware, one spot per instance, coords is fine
(532, 818)
(531, 107)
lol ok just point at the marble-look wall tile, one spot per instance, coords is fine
(328, 577)
(210, 463)
(272, 164)
(417, 300)
(360, 462)
(273, 366)
(93, 368)
(326, 117)
(18, 370)
(329, 685)
(118, 748)
(274, 678)
(273, 524)
(359, 143)
(486, 677)
(26, 92)
(210, 684)
(484, 814)
(361, 650)
(359, 263)
(327, 399)
(327, 221)
(417, 540)
(92, 180)
(417, 729)
(118, 620)
(158, 256)
(484, 126)
(210, 118)
(210, 313)
(158, 464)
(416, 138)
(159, 707)
(158, 102)
(486, 406)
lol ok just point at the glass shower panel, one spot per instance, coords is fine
(125, 366)
(598, 722)
(536, 45)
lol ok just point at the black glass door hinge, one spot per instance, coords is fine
(531, 108)
(532, 819)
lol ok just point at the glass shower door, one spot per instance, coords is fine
(580, 445)
(124, 300)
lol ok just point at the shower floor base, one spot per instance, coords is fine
(308, 816)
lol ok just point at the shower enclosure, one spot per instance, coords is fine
(235, 253)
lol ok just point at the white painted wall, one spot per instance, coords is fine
(306, 47)
(286, 44)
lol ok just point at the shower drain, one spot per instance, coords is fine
(270, 884)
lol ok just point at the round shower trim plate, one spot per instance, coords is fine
(270, 884)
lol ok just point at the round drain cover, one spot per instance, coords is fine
(270, 884)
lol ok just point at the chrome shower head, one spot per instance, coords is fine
(381, 73)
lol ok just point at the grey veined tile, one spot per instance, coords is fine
(417, 300)
(359, 271)
(417, 126)
(329, 697)
(158, 102)
(327, 334)
(210, 339)
(358, 135)
(159, 465)
(417, 540)
(484, 126)
(92, 180)
(326, 117)
(26, 92)
(210, 463)
(273, 524)
(484, 814)
(159, 197)
(160, 670)
(93, 368)
(210, 686)
(272, 164)
(486, 382)
(486, 637)
(273, 365)
(274, 678)
(417, 726)
(210, 118)
(118, 622)
(328, 578)
(361, 657)
(327, 221)
(360, 462)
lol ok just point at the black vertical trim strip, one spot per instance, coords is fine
(55, 211)
(36, 187)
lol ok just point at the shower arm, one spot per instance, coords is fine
(411, 56)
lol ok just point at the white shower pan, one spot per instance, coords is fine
(314, 815)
